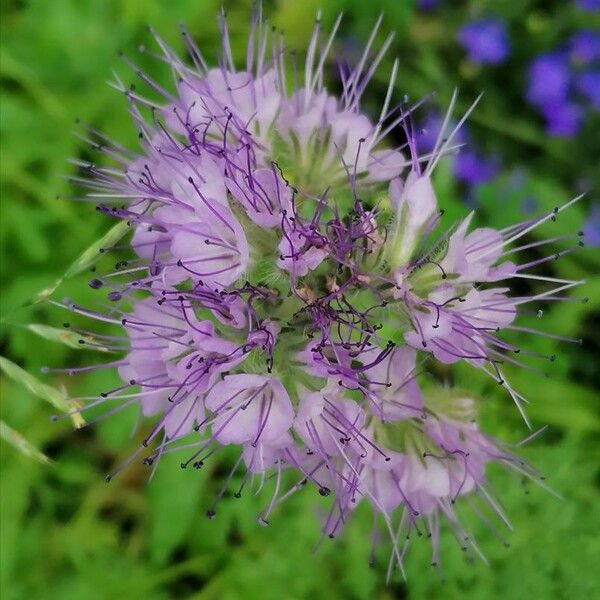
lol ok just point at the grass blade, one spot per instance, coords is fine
(57, 398)
(93, 253)
(67, 337)
(15, 439)
(90, 256)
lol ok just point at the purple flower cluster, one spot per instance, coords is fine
(565, 82)
(562, 83)
(292, 282)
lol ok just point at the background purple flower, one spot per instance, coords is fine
(591, 229)
(562, 120)
(429, 131)
(428, 4)
(589, 5)
(588, 83)
(486, 41)
(549, 79)
(585, 46)
(473, 168)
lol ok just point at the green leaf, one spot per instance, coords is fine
(57, 398)
(174, 496)
(15, 439)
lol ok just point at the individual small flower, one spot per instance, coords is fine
(485, 41)
(326, 421)
(428, 132)
(394, 393)
(529, 204)
(416, 206)
(263, 194)
(472, 256)
(250, 409)
(585, 46)
(549, 79)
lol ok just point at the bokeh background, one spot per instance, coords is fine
(532, 144)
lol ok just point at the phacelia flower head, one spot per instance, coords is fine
(292, 281)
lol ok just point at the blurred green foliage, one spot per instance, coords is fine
(66, 534)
